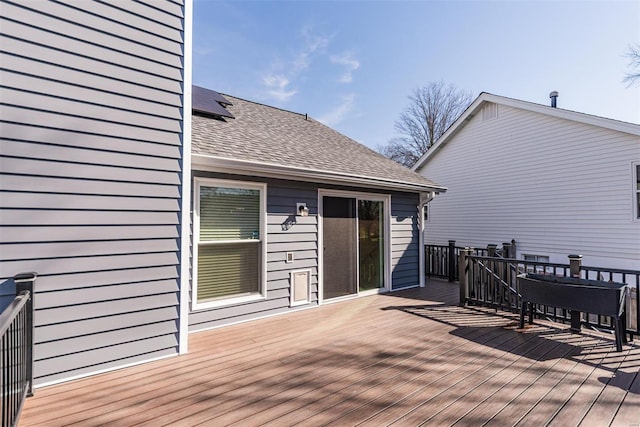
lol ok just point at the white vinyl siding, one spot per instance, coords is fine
(229, 245)
(555, 186)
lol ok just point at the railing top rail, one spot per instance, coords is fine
(9, 313)
(446, 246)
(612, 270)
(521, 261)
(553, 264)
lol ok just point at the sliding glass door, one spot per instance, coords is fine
(371, 244)
(339, 236)
(353, 245)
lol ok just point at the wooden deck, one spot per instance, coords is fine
(406, 358)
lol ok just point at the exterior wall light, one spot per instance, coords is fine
(302, 209)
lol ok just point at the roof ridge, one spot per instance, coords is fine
(551, 109)
(265, 105)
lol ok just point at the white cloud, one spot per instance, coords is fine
(283, 75)
(313, 44)
(276, 85)
(339, 112)
(350, 65)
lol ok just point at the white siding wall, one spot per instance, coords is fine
(556, 186)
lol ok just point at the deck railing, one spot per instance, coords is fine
(442, 261)
(492, 281)
(16, 350)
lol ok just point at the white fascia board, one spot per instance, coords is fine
(269, 170)
(575, 116)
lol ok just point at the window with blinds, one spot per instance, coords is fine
(229, 240)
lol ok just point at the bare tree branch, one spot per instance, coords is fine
(633, 76)
(431, 110)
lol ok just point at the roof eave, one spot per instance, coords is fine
(270, 170)
(604, 122)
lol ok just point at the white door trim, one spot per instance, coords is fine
(358, 195)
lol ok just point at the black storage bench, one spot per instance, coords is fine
(576, 295)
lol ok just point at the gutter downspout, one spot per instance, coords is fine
(425, 198)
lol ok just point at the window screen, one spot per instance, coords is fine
(229, 245)
(229, 214)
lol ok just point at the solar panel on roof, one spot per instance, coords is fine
(209, 101)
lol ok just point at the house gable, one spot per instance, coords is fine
(480, 104)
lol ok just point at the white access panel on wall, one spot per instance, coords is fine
(300, 287)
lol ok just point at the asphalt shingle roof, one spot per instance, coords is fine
(269, 135)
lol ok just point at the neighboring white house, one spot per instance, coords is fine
(559, 182)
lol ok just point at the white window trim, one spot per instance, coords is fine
(386, 198)
(536, 256)
(635, 193)
(539, 269)
(211, 182)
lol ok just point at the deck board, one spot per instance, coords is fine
(407, 358)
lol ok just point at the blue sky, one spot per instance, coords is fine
(352, 64)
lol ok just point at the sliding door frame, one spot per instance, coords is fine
(386, 199)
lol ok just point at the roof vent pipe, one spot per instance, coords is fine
(554, 99)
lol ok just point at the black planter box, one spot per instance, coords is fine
(577, 295)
